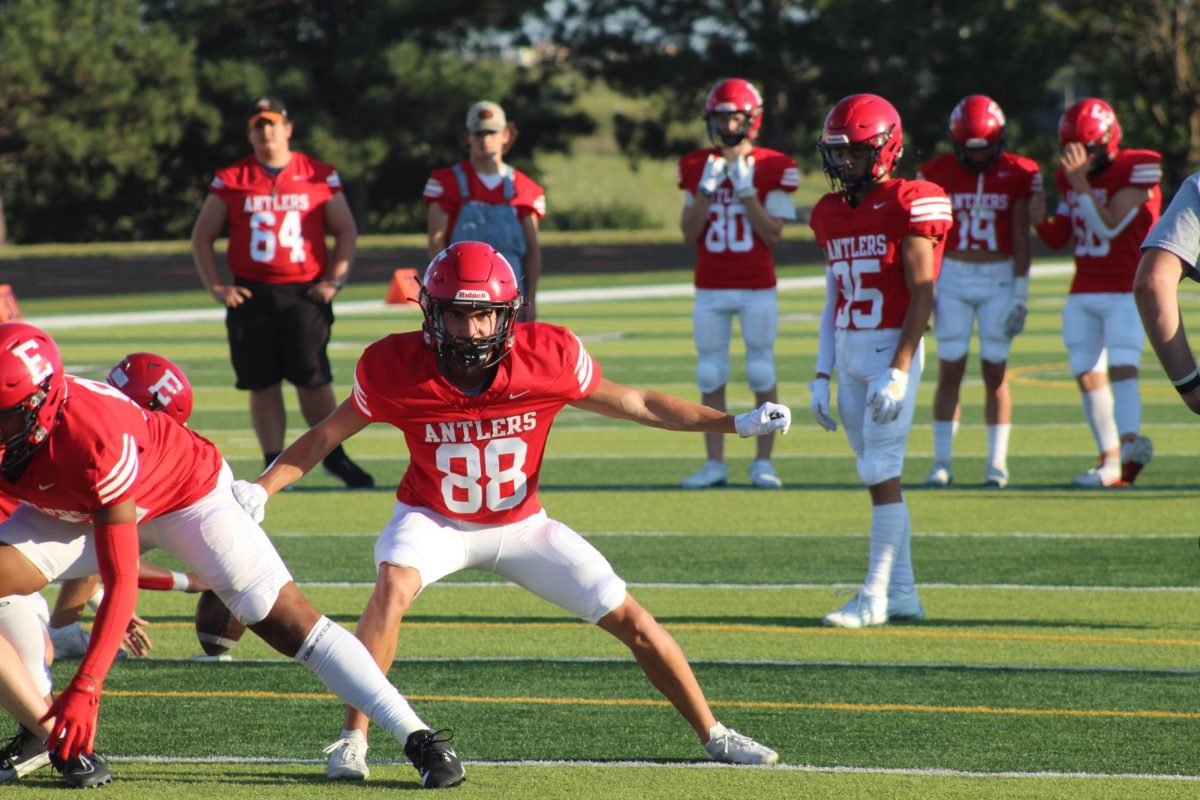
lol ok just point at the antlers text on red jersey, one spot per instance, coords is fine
(479, 430)
(270, 202)
(875, 244)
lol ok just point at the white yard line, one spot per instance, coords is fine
(1018, 587)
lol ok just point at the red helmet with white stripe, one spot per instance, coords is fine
(861, 119)
(977, 124)
(733, 96)
(1092, 123)
(154, 383)
(32, 391)
(470, 275)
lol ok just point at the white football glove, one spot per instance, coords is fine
(251, 497)
(1014, 320)
(820, 404)
(741, 175)
(885, 395)
(714, 173)
(767, 418)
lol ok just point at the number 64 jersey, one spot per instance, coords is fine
(862, 247)
(474, 458)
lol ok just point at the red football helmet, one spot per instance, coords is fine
(861, 119)
(470, 275)
(976, 123)
(1092, 123)
(32, 391)
(729, 97)
(154, 383)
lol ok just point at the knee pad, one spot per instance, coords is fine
(872, 471)
(991, 349)
(19, 624)
(1089, 358)
(760, 370)
(1124, 356)
(712, 371)
(252, 605)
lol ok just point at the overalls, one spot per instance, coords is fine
(495, 224)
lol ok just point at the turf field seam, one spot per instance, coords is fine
(649, 702)
(933, 772)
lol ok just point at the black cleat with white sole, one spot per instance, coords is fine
(83, 772)
(431, 753)
(23, 754)
(339, 465)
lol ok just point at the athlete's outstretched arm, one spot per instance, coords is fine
(304, 453)
(658, 410)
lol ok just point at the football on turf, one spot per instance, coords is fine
(216, 627)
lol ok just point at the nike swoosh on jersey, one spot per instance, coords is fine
(515, 395)
(878, 206)
(44, 486)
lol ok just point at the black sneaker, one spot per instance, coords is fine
(339, 465)
(83, 772)
(432, 755)
(23, 754)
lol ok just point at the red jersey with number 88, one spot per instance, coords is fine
(863, 247)
(474, 458)
(277, 222)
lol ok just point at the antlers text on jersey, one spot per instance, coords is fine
(270, 202)
(871, 244)
(479, 430)
(995, 201)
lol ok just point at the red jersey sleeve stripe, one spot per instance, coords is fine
(122, 476)
(583, 365)
(360, 399)
(932, 208)
(433, 188)
(1146, 174)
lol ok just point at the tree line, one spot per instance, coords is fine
(114, 113)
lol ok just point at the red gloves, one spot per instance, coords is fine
(75, 713)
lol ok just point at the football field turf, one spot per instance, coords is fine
(1060, 657)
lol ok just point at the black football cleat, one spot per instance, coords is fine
(23, 754)
(431, 753)
(83, 772)
(339, 465)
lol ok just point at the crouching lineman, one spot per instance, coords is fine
(883, 239)
(100, 480)
(475, 395)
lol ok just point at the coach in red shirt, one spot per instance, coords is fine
(278, 205)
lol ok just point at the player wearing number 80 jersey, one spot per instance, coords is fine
(985, 274)
(475, 394)
(883, 241)
(736, 197)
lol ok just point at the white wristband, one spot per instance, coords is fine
(180, 582)
(1021, 288)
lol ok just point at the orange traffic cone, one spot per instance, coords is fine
(9, 310)
(405, 287)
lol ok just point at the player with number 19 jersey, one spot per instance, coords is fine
(474, 458)
(983, 201)
(862, 247)
(277, 221)
(729, 253)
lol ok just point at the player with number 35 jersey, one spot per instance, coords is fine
(475, 394)
(736, 197)
(883, 239)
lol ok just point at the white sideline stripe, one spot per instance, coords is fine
(784, 586)
(930, 772)
(60, 322)
(1083, 537)
(729, 662)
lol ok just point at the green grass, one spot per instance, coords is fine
(1062, 639)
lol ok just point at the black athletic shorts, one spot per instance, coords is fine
(277, 334)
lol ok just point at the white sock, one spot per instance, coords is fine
(19, 624)
(902, 568)
(887, 535)
(1127, 406)
(346, 668)
(1098, 411)
(943, 441)
(997, 437)
(354, 734)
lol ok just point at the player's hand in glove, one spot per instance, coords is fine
(820, 404)
(251, 497)
(74, 713)
(714, 173)
(767, 418)
(741, 175)
(1014, 320)
(885, 395)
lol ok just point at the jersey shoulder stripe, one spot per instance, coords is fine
(122, 476)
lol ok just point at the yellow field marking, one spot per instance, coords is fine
(1021, 375)
(900, 632)
(636, 701)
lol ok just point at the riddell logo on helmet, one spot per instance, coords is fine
(472, 294)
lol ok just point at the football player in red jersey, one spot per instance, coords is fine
(984, 276)
(278, 205)
(483, 199)
(883, 239)
(475, 395)
(736, 198)
(101, 479)
(1109, 198)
